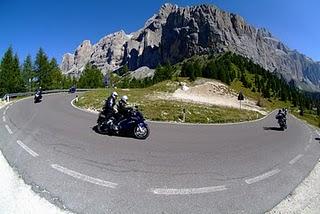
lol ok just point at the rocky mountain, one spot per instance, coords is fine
(176, 33)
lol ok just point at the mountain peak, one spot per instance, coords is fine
(168, 7)
(85, 43)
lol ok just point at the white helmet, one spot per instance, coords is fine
(124, 99)
(114, 94)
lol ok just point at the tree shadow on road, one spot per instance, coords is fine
(272, 128)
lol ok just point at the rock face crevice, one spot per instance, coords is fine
(179, 32)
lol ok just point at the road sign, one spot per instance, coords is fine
(240, 97)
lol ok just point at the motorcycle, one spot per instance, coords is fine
(73, 89)
(132, 125)
(282, 123)
(37, 97)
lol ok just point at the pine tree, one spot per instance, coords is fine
(187, 69)
(265, 92)
(210, 70)
(55, 75)
(17, 84)
(221, 72)
(197, 69)
(91, 77)
(10, 75)
(27, 71)
(5, 69)
(42, 69)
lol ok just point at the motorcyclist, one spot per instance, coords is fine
(109, 108)
(281, 116)
(285, 111)
(122, 111)
(39, 92)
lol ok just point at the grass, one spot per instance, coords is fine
(312, 119)
(159, 109)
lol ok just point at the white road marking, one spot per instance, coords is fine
(4, 112)
(81, 109)
(294, 160)
(163, 191)
(3, 118)
(83, 177)
(262, 177)
(30, 151)
(8, 129)
(7, 108)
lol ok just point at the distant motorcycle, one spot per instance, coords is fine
(282, 123)
(37, 97)
(132, 125)
(73, 89)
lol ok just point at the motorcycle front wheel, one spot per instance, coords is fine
(141, 131)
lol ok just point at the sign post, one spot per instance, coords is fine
(184, 114)
(30, 84)
(240, 98)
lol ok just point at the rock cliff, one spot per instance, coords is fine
(176, 33)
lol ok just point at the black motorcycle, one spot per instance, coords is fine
(133, 124)
(282, 123)
(37, 97)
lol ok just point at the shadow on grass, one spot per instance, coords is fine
(273, 128)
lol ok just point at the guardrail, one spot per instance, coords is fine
(7, 97)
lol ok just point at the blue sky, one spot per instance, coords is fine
(59, 26)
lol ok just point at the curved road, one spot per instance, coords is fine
(245, 168)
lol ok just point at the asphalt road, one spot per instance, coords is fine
(243, 168)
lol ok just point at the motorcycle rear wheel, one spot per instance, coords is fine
(100, 129)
